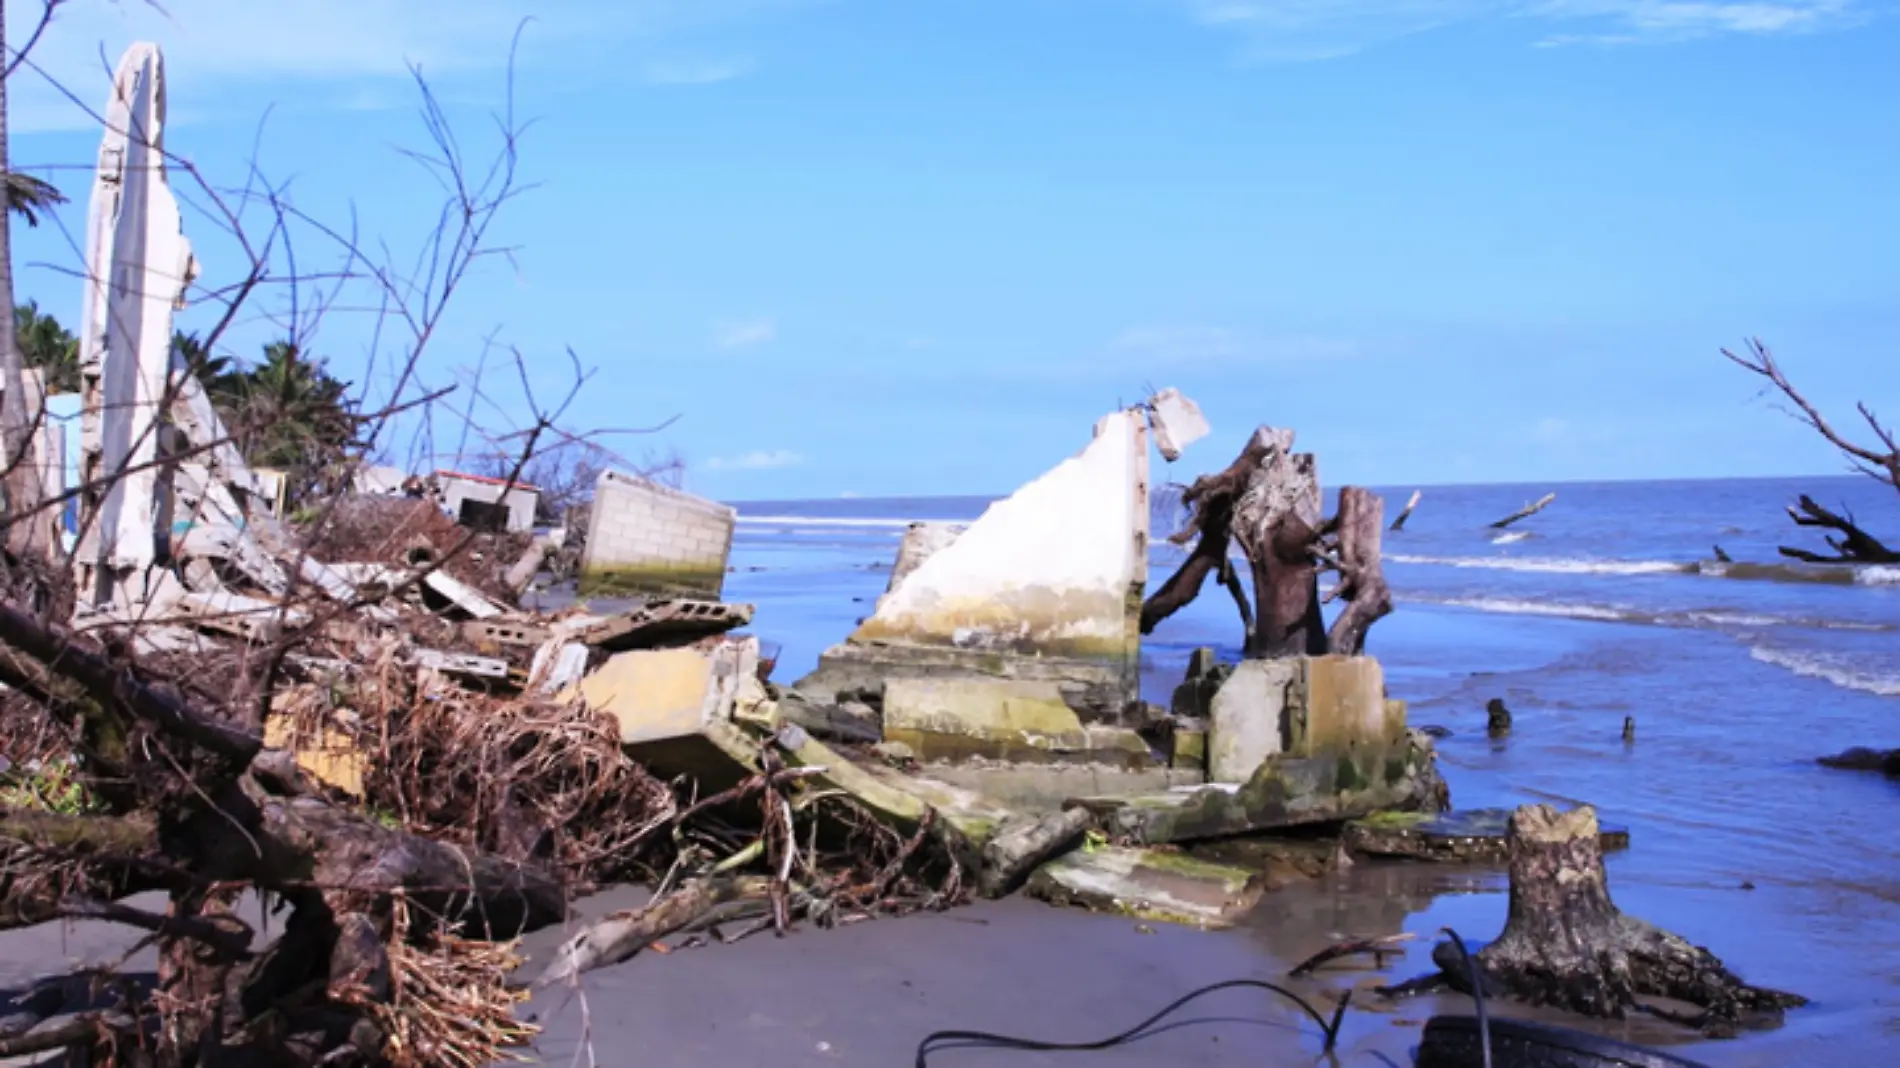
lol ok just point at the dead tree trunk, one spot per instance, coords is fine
(1278, 523)
(1361, 579)
(1854, 546)
(1268, 501)
(1212, 497)
(1566, 945)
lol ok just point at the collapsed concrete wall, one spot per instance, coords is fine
(645, 538)
(1046, 585)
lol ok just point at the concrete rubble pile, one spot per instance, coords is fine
(981, 731)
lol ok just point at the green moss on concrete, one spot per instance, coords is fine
(623, 579)
(1394, 821)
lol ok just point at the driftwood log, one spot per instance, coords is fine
(1854, 546)
(1566, 945)
(1406, 513)
(1525, 512)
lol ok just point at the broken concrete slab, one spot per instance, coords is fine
(497, 631)
(955, 719)
(1248, 717)
(921, 542)
(481, 667)
(675, 706)
(1022, 843)
(1178, 422)
(645, 538)
(1149, 884)
(250, 618)
(1285, 791)
(1473, 836)
(1049, 787)
(669, 620)
(461, 595)
(1046, 585)
(557, 665)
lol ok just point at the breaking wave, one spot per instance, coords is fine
(1830, 669)
(1704, 618)
(1823, 574)
(1545, 565)
(836, 521)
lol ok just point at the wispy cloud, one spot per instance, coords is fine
(697, 73)
(1302, 30)
(745, 335)
(755, 461)
(213, 45)
(1214, 344)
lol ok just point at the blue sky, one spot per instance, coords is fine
(918, 247)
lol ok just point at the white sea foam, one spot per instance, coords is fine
(1882, 575)
(1829, 668)
(1697, 618)
(1557, 566)
(1510, 537)
(1508, 606)
(837, 521)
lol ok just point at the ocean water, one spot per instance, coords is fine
(1604, 606)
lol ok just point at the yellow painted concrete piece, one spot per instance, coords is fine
(979, 707)
(1345, 704)
(652, 693)
(331, 759)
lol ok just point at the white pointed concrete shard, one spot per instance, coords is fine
(1178, 422)
(1045, 585)
(138, 267)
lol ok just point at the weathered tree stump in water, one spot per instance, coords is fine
(1361, 579)
(1566, 945)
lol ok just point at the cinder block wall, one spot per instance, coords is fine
(646, 538)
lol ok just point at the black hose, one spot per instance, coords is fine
(983, 1038)
(1477, 994)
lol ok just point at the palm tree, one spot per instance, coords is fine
(286, 411)
(27, 196)
(47, 346)
(24, 488)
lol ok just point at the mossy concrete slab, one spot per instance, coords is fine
(1474, 836)
(1284, 792)
(1149, 884)
(954, 719)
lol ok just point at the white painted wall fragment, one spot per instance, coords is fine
(1054, 568)
(138, 267)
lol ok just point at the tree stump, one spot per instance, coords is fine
(1361, 580)
(1565, 944)
(1277, 523)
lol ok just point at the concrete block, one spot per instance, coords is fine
(1345, 705)
(952, 719)
(1248, 723)
(674, 706)
(1149, 884)
(644, 538)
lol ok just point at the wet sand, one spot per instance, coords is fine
(867, 994)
